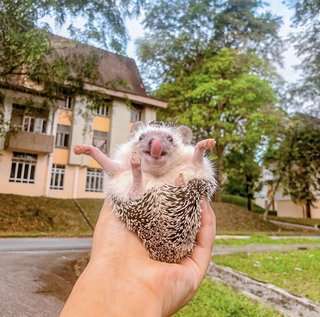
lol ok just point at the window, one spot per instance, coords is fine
(33, 124)
(57, 176)
(102, 110)
(28, 119)
(136, 113)
(94, 181)
(62, 136)
(68, 103)
(100, 140)
(23, 168)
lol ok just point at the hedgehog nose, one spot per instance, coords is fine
(155, 147)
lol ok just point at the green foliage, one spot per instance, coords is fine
(297, 271)
(304, 94)
(181, 33)
(29, 53)
(226, 99)
(217, 300)
(300, 156)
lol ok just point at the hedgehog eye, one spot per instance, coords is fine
(170, 139)
(141, 137)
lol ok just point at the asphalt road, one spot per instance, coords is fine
(37, 274)
(36, 284)
(44, 244)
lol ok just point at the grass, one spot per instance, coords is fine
(300, 221)
(217, 300)
(240, 201)
(295, 271)
(91, 207)
(264, 239)
(232, 219)
(40, 216)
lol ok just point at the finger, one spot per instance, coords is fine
(201, 254)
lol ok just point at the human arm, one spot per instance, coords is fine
(121, 279)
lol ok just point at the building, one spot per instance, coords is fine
(36, 159)
(283, 204)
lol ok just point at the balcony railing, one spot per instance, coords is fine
(30, 142)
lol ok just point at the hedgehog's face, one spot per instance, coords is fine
(156, 149)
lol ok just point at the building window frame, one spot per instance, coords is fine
(136, 112)
(58, 172)
(23, 166)
(62, 139)
(94, 180)
(102, 110)
(34, 124)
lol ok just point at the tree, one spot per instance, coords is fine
(179, 34)
(28, 50)
(225, 99)
(296, 161)
(243, 173)
(301, 177)
(307, 45)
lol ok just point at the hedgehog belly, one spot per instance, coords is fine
(166, 218)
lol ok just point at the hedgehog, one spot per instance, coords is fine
(155, 183)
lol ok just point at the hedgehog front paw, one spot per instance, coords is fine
(82, 149)
(135, 160)
(206, 144)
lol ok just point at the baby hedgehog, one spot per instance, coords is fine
(155, 183)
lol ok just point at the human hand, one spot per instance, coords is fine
(122, 280)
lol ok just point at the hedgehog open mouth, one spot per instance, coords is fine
(164, 153)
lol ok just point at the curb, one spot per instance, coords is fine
(278, 298)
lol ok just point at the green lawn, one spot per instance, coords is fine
(264, 239)
(295, 271)
(217, 300)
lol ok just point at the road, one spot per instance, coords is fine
(37, 274)
(44, 244)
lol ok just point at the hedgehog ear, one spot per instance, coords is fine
(135, 127)
(185, 133)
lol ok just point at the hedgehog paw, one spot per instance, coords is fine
(206, 144)
(82, 149)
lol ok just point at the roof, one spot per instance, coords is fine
(113, 69)
(118, 76)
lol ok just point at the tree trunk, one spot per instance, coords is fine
(308, 210)
(249, 202)
(271, 203)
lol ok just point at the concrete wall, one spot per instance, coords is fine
(286, 208)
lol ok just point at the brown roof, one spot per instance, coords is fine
(113, 69)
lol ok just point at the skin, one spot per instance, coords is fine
(121, 279)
